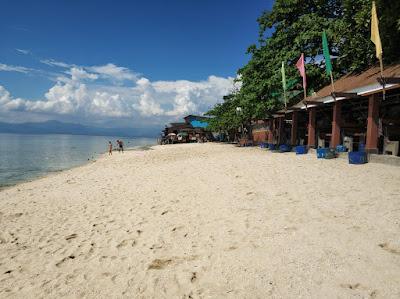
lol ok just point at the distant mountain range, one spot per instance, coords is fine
(56, 127)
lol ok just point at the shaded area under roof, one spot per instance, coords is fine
(362, 84)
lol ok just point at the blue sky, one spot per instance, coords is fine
(148, 57)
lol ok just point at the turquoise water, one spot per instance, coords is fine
(25, 157)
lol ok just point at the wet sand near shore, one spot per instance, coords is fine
(204, 221)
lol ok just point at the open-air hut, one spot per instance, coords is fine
(356, 114)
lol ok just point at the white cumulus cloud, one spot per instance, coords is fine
(93, 95)
(78, 74)
(110, 70)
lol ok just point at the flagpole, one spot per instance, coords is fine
(332, 82)
(284, 96)
(382, 78)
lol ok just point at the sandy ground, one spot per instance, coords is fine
(204, 221)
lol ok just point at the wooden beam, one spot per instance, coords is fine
(347, 95)
(312, 103)
(388, 80)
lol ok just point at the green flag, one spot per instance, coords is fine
(284, 82)
(283, 76)
(327, 56)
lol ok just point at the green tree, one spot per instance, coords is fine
(296, 26)
(293, 27)
(356, 51)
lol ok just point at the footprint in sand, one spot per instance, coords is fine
(90, 251)
(194, 277)
(231, 248)
(388, 248)
(124, 243)
(70, 237)
(359, 287)
(71, 257)
(159, 264)
(177, 228)
(350, 286)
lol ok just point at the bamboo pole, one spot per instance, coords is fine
(382, 78)
(332, 82)
(285, 98)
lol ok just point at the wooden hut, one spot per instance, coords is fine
(193, 129)
(357, 114)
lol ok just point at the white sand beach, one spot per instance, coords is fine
(204, 221)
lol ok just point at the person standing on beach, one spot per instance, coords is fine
(110, 148)
(121, 146)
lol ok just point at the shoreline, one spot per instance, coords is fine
(203, 220)
(55, 172)
(48, 174)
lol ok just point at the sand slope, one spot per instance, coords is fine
(204, 221)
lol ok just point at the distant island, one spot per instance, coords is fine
(57, 127)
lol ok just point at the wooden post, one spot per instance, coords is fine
(373, 124)
(311, 127)
(280, 129)
(271, 131)
(293, 133)
(337, 115)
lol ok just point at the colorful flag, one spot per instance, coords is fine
(375, 37)
(301, 67)
(284, 82)
(327, 55)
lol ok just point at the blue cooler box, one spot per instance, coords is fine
(301, 149)
(341, 149)
(285, 148)
(321, 153)
(358, 158)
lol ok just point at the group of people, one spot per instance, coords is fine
(120, 147)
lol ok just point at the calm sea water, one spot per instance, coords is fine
(24, 157)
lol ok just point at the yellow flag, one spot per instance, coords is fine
(375, 37)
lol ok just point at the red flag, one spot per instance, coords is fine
(301, 67)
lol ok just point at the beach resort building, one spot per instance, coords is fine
(361, 112)
(193, 129)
